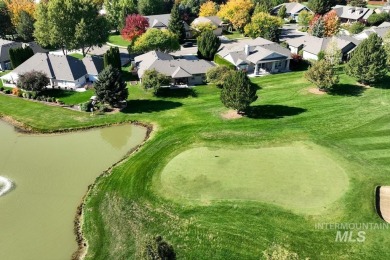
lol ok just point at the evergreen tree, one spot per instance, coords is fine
(25, 26)
(322, 74)
(321, 6)
(176, 24)
(238, 91)
(318, 28)
(282, 11)
(110, 87)
(368, 62)
(208, 45)
(150, 7)
(6, 27)
(386, 45)
(112, 57)
(152, 79)
(20, 55)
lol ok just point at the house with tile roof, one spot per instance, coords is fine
(350, 14)
(256, 56)
(64, 71)
(311, 45)
(292, 9)
(161, 21)
(181, 71)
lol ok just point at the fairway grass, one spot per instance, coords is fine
(299, 176)
(129, 207)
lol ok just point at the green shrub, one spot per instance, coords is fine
(86, 107)
(356, 27)
(7, 91)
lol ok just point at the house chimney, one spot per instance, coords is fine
(246, 49)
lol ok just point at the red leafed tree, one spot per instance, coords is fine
(332, 23)
(313, 22)
(135, 26)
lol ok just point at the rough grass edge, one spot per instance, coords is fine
(81, 240)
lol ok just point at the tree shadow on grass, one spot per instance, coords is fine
(57, 93)
(383, 84)
(273, 111)
(149, 106)
(346, 90)
(176, 93)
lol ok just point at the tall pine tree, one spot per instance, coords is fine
(110, 87)
(176, 24)
(208, 45)
(368, 63)
(112, 57)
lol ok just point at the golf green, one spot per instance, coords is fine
(302, 177)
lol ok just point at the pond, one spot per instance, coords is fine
(49, 175)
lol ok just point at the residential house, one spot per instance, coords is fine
(181, 71)
(257, 56)
(350, 14)
(214, 20)
(5, 46)
(292, 10)
(161, 21)
(380, 30)
(64, 71)
(311, 46)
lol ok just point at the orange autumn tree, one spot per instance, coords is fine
(16, 6)
(332, 23)
(237, 12)
(208, 9)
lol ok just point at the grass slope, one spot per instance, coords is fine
(118, 40)
(125, 211)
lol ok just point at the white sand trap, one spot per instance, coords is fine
(5, 185)
(384, 202)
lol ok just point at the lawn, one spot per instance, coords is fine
(69, 97)
(346, 135)
(234, 35)
(77, 55)
(118, 40)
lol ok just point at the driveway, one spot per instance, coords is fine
(289, 31)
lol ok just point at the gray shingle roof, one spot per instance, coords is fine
(215, 20)
(161, 21)
(260, 49)
(5, 46)
(291, 8)
(94, 65)
(60, 67)
(314, 44)
(352, 13)
(168, 66)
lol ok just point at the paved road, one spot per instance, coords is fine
(290, 31)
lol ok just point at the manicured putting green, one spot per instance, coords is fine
(301, 177)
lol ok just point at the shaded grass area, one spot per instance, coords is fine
(234, 35)
(77, 55)
(125, 211)
(118, 40)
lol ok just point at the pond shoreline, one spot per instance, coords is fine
(81, 241)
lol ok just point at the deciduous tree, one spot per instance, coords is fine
(135, 26)
(25, 26)
(208, 9)
(16, 6)
(208, 45)
(218, 74)
(304, 19)
(386, 46)
(333, 53)
(368, 62)
(264, 25)
(118, 10)
(110, 87)
(237, 12)
(33, 81)
(204, 26)
(331, 23)
(282, 12)
(321, 6)
(150, 7)
(6, 27)
(238, 91)
(358, 3)
(322, 74)
(70, 24)
(152, 79)
(155, 39)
